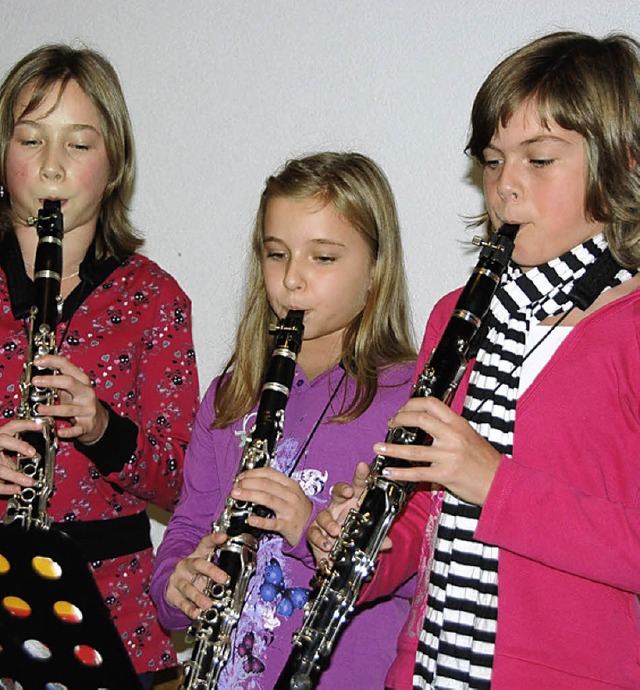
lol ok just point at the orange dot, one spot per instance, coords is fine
(17, 607)
(67, 612)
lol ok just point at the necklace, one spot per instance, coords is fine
(29, 265)
(290, 470)
(71, 275)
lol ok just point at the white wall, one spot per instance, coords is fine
(223, 92)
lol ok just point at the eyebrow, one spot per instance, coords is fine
(534, 140)
(321, 241)
(73, 127)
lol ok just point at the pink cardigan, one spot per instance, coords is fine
(565, 513)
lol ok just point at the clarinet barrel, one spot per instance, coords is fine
(352, 561)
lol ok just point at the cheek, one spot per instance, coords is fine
(489, 186)
(270, 280)
(95, 179)
(17, 171)
(358, 292)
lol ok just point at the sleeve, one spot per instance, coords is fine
(533, 514)
(144, 456)
(400, 562)
(201, 499)
(568, 498)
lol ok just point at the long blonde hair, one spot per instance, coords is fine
(590, 86)
(380, 335)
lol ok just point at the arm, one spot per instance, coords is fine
(201, 502)
(567, 498)
(144, 453)
(533, 514)
(400, 562)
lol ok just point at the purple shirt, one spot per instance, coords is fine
(262, 641)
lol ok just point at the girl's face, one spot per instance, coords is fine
(535, 176)
(58, 154)
(315, 260)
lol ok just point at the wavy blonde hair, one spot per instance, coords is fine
(380, 334)
(590, 86)
(54, 66)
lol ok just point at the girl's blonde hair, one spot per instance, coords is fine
(380, 335)
(53, 66)
(590, 86)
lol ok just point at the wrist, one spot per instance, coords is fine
(103, 423)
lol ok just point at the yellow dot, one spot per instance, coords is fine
(5, 567)
(46, 567)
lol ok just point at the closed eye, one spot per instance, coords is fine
(541, 162)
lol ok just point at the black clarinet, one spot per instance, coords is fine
(211, 631)
(29, 506)
(339, 578)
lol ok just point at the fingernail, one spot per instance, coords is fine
(386, 472)
(380, 448)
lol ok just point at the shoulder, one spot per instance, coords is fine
(437, 322)
(210, 393)
(616, 325)
(444, 306)
(621, 314)
(143, 271)
(397, 374)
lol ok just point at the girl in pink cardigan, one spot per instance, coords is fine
(530, 563)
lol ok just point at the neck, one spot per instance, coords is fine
(314, 361)
(72, 255)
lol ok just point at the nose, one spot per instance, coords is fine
(52, 168)
(508, 186)
(294, 275)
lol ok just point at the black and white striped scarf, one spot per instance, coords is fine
(456, 644)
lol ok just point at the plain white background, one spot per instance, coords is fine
(221, 93)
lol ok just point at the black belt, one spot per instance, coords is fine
(100, 540)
